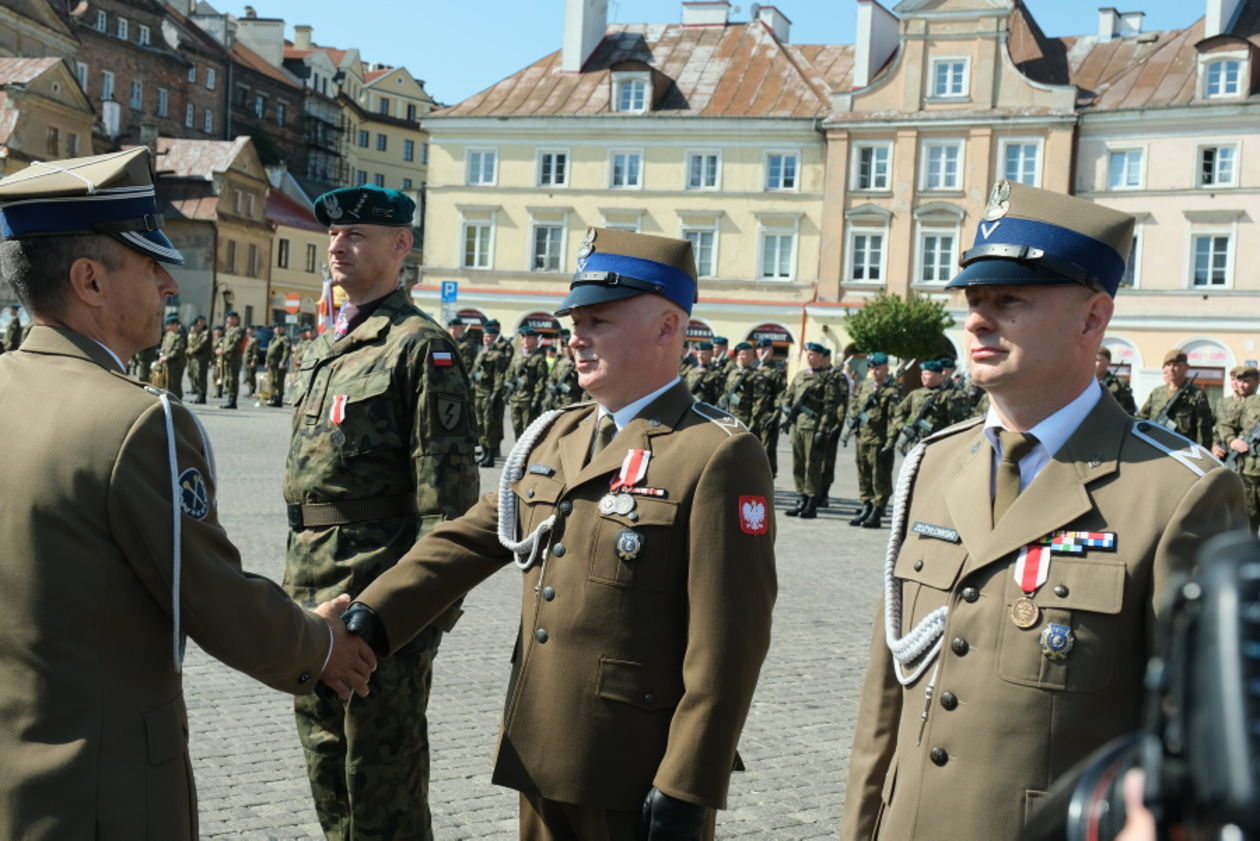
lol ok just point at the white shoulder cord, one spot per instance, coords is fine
(929, 634)
(177, 511)
(529, 550)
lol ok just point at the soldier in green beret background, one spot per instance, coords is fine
(721, 359)
(279, 356)
(1119, 388)
(1179, 404)
(250, 358)
(381, 453)
(771, 376)
(562, 383)
(526, 381)
(229, 351)
(173, 355)
(200, 351)
(924, 410)
(738, 394)
(489, 376)
(871, 411)
(704, 379)
(1238, 434)
(811, 412)
(464, 337)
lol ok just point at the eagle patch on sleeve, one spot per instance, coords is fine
(752, 515)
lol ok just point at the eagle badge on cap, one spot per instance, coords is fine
(588, 248)
(332, 207)
(999, 201)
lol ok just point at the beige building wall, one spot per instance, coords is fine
(244, 240)
(306, 255)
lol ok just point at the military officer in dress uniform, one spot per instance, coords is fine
(1180, 405)
(200, 352)
(489, 377)
(771, 381)
(643, 526)
(526, 381)
(229, 352)
(870, 414)
(173, 355)
(1119, 388)
(114, 551)
(381, 452)
(1029, 549)
(279, 356)
(811, 411)
(704, 379)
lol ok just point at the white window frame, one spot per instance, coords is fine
(540, 155)
(360, 177)
(282, 253)
(925, 155)
(363, 138)
(163, 102)
(613, 154)
(622, 79)
(767, 228)
(378, 178)
(144, 35)
(136, 98)
(1206, 63)
(480, 152)
(192, 73)
(407, 185)
(312, 258)
(82, 73)
(207, 122)
(211, 78)
(107, 84)
(260, 106)
(614, 219)
(780, 186)
(102, 21)
(941, 61)
(1006, 142)
(122, 28)
(282, 110)
(562, 247)
(713, 226)
(1230, 232)
(935, 229)
(688, 157)
(1120, 149)
(855, 166)
(850, 252)
(190, 116)
(464, 225)
(1199, 151)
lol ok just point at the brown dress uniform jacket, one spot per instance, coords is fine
(93, 732)
(628, 672)
(1004, 721)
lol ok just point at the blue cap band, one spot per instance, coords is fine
(672, 283)
(1094, 256)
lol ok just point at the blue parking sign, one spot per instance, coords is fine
(450, 291)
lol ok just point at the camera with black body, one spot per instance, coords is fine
(1200, 743)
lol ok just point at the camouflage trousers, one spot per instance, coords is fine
(769, 435)
(175, 378)
(197, 376)
(523, 415)
(277, 385)
(231, 377)
(1251, 497)
(490, 420)
(809, 457)
(368, 758)
(874, 469)
(550, 820)
(829, 465)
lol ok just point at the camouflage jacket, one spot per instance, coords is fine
(250, 354)
(1120, 390)
(562, 384)
(771, 381)
(279, 352)
(468, 349)
(489, 372)
(199, 346)
(872, 407)
(526, 379)
(705, 384)
(174, 347)
(230, 345)
(383, 417)
(1242, 422)
(739, 393)
(1192, 416)
(814, 398)
(926, 410)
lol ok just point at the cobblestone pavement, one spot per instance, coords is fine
(250, 773)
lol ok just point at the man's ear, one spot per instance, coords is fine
(88, 281)
(1097, 316)
(402, 242)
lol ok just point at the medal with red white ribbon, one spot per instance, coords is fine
(1032, 568)
(337, 414)
(633, 470)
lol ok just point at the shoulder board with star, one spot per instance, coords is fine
(1189, 454)
(724, 421)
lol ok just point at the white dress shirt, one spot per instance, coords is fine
(1052, 433)
(630, 411)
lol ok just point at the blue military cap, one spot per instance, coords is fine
(613, 265)
(818, 347)
(491, 326)
(1033, 237)
(743, 346)
(704, 345)
(933, 365)
(104, 194)
(877, 358)
(366, 204)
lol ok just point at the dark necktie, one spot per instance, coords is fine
(605, 430)
(1015, 445)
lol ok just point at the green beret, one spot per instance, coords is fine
(743, 346)
(170, 319)
(704, 345)
(454, 322)
(947, 362)
(933, 365)
(877, 358)
(491, 326)
(231, 314)
(721, 340)
(528, 332)
(818, 347)
(365, 205)
(765, 342)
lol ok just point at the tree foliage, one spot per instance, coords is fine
(910, 329)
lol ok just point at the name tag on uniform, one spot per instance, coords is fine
(542, 469)
(936, 532)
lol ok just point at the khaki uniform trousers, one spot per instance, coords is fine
(550, 820)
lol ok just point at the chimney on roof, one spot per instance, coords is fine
(775, 20)
(1220, 16)
(184, 7)
(1131, 24)
(251, 12)
(584, 24)
(264, 36)
(878, 34)
(302, 37)
(706, 12)
(1108, 24)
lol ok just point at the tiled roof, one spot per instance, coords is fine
(373, 75)
(255, 62)
(196, 159)
(19, 71)
(736, 70)
(285, 210)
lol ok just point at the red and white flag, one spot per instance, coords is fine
(442, 359)
(1032, 567)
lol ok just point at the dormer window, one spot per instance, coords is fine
(1221, 78)
(949, 78)
(630, 92)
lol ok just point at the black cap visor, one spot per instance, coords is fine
(588, 294)
(1001, 272)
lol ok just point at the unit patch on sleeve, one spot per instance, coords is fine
(194, 496)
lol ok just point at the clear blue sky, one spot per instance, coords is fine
(460, 47)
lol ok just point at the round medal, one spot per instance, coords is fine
(1025, 613)
(625, 504)
(608, 505)
(338, 438)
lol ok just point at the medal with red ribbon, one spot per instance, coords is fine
(337, 414)
(1032, 568)
(618, 500)
(633, 469)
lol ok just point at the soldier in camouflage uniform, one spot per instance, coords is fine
(526, 381)
(13, 332)
(1191, 414)
(562, 383)
(489, 376)
(216, 361)
(1119, 388)
(810, 406)
(142, 364)
(200, 352)
(1239, 430)
(468, 348)
(279, 357)
(870, 411)
(1242, 384)
(229, 351)
(382, 451)
(721, 361)
(174, 355)
(739, 391)
(924, 410)
(250, 358)
(703, 379)
(771, 381)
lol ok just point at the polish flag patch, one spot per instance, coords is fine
(442, 359)
(753, 517)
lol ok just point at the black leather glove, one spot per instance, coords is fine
(363, 621)
(666, 818)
